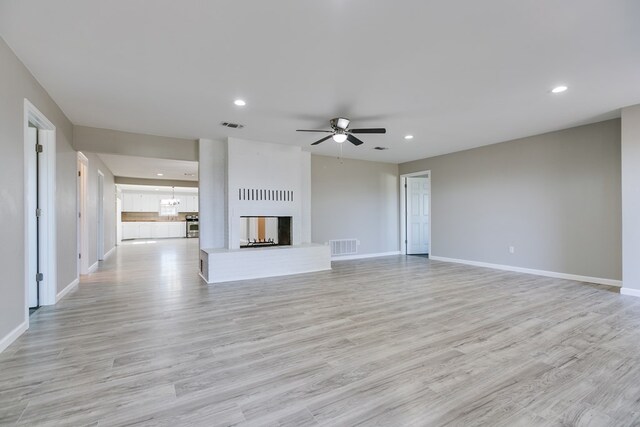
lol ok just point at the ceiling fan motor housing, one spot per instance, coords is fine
(339, 123)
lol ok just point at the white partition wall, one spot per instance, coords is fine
(243, 178)
(631, 201)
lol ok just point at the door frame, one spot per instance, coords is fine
(47, 192)
(100, 217)
(83, 238)
(403, 209)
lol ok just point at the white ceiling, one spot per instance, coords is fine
(144, 167)
(456, 74)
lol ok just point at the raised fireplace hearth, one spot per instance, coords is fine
(264, 231)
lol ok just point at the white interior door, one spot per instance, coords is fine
(33, 222)
(417, 199)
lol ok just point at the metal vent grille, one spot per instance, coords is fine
(343, 247)
(232, 125)
(265, 195)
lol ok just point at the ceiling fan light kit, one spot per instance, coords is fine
(340, 137)
(340, 132)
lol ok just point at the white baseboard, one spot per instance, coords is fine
(109, 253)
(8, 339)
(630, 292)
(93, 268)
(69, 288)
(363, 256)
(597, 280)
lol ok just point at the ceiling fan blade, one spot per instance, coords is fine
(355, 141)
(369, 130)
(322, 140)
(313, 130)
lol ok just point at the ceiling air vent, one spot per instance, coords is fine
(232, 125)
(381, 148)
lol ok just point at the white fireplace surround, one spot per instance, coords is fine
(262, 179)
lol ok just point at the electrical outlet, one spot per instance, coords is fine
(512, 249)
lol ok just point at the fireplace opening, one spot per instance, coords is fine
(262, 231)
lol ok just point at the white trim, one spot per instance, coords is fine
(630, 292)
(403, 214)
(48, 254)
(100, 217)
(8, 339)
(363, 256)
(578, 278)
(82, 221)
(204, 278)
(109, 252)
(93, 268)
(69, 288)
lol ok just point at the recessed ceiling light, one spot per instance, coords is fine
(240, 102)
(559, 89)
(408, 137)
(160, 174)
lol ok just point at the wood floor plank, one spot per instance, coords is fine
(387, 341)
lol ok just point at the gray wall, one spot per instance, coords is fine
(631, 197)
(355, 199)
(554, 197)
(16, 83)
(95, 140)
(109, 207)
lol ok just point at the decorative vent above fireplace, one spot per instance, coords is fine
(265, 195)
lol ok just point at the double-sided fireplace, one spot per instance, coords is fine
(264, 231)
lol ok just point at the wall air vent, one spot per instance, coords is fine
(381, 148)
(343, 247)
(232, 125)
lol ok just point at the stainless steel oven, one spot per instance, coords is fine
(193, 228)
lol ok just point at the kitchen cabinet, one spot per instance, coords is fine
(189, 203)
(145, 230)
(150, 202)
(153, 230)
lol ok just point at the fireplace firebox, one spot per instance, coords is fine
(263, 231)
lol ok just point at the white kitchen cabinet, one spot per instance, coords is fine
(146, 230)
(150, 201)
(177, 229)
(160, 230)
(153, 230)
(136, 203)
(127, 202)
(130, 230)
(189, 203)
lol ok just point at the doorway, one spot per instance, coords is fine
(39, 209)
(100, 216)
(83, 253)
(415, 213)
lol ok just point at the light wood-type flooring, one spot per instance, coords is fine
(390, 341)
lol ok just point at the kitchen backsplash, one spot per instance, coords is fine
(153, 217)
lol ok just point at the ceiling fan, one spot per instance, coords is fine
(340, 132)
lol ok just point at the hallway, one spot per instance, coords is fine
(393, 341)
